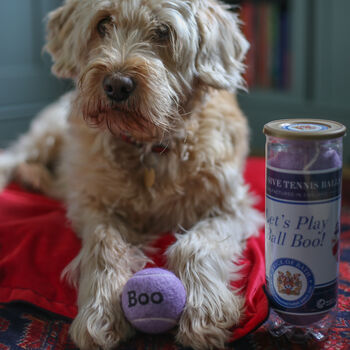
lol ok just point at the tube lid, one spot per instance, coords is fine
(306, 129)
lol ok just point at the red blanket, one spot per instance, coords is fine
(36, 243)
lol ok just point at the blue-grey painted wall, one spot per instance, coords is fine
(26, 84)
(320, 58)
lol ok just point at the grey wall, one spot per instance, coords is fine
(320, 58)
(26, 84)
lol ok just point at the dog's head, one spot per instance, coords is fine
(137, 63)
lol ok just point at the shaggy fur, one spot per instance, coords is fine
(185, 58)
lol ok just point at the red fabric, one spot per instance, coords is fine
(36, 243)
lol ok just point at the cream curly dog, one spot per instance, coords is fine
(151, 140)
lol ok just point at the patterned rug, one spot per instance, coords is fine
(23, 326)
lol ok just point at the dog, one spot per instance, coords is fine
(151, 140)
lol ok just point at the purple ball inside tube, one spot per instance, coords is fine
(306, 155)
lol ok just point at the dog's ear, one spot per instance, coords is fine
(60, 40)
(222, 47)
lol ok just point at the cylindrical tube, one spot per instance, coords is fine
(303, 198)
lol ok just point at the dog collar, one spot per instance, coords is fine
(156, 148)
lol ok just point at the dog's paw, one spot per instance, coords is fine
(207, 326)
(95, 329)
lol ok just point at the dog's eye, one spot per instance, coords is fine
(162, 32)
(104, 25)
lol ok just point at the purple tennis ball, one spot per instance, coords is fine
(306, 155)
(153, 300)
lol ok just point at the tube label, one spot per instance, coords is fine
(302, 239)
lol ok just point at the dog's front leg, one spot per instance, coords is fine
(203, 258)
(104, 264)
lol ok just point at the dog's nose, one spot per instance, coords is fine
(118, 87)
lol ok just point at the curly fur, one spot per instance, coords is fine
(184, 99)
